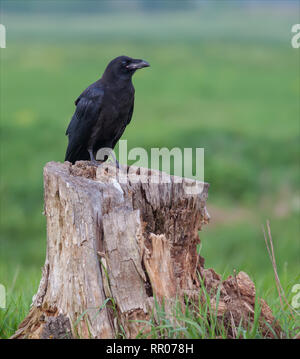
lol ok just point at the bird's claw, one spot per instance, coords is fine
(95, 163)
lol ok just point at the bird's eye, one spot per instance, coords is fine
(124, 62)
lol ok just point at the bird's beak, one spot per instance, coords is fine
(137, 64)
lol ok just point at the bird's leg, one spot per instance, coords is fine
(114, 157)
(96, 163)
(92, 158)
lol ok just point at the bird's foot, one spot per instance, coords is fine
(95, 163)
(101, 163)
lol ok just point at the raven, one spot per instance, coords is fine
(103, 111)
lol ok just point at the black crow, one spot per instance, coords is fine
(103, 111)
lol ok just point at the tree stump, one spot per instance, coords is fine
(112, 247)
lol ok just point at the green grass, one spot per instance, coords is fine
(200, 321)
(225, 79)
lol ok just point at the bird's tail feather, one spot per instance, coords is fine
(77, 154)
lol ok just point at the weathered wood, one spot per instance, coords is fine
(112, 246)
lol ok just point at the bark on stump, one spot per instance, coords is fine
(113, 246)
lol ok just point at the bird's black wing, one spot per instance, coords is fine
(122, 129)
(88, 106)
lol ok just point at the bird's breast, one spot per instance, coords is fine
(113, 116)
(118, 104)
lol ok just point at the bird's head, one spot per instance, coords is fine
(124, 67)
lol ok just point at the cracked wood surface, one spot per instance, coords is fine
(113, 244)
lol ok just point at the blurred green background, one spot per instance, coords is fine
(223, 76)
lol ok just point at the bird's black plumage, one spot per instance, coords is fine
(103, 110)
